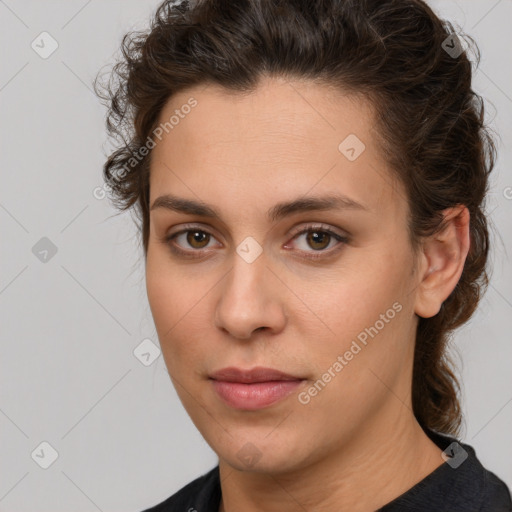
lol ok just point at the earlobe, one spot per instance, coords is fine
(443, 258)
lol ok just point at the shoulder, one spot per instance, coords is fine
(461, 484)
(496, 495)
(475, 484)
(202, 494)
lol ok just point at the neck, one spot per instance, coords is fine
(364, 474)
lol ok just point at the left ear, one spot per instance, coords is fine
(442, 261)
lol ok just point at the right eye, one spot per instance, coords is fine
(194, 237)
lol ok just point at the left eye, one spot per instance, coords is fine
(318, 239)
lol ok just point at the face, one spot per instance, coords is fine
(326, 295)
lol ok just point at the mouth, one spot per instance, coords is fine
(252, 376)
(255, 388)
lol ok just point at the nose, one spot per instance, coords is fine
(250, 299)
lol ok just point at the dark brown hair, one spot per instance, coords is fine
(396, 53)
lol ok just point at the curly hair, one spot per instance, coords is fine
(396, 54)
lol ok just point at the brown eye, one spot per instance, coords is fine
(197, 237)
(318, 239)
(316, 242)
(189, 243)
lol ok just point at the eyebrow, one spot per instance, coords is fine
(277, 212)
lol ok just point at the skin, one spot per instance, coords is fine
(356, 445)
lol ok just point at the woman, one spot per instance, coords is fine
(309, 178)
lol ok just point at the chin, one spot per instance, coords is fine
(265, 456)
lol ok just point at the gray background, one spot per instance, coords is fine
(70, 324)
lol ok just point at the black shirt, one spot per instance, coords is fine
(461, 484)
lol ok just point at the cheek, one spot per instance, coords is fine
(179, 305)
(347, 392)
(169, 292)
(168, 298)
(365, 314)
(355, 299)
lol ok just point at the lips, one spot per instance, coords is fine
(254, 375)
(253, 389)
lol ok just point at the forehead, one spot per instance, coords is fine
(284, 138)
(279, 113)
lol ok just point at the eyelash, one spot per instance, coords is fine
(322, 253)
